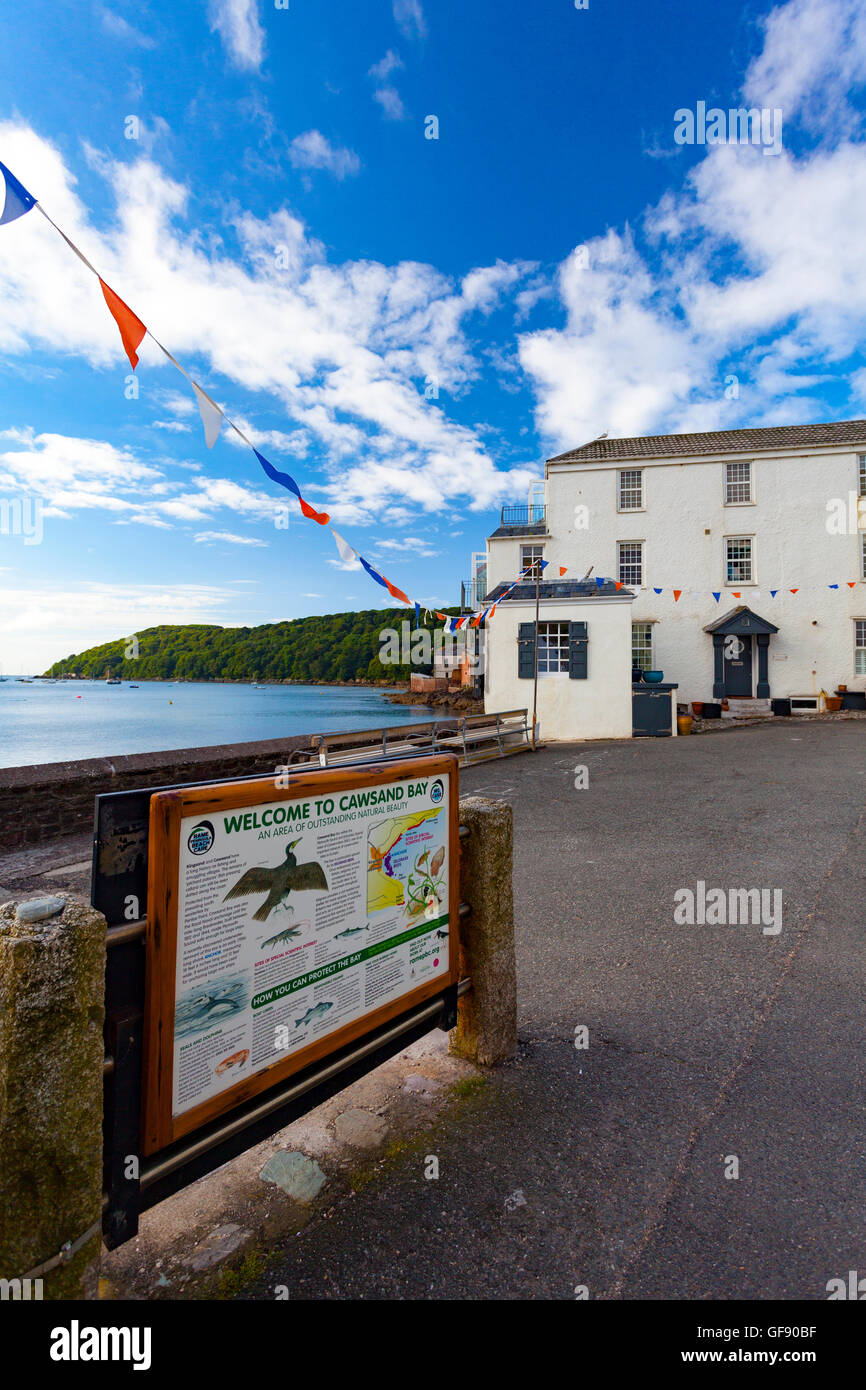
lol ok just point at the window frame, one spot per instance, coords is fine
(860, 648)
(531, 545)
(562, 647)
(861, 475)
(863, 554)
(740, 501)
(753, 578)
(635, 663)
(632, 583)
(620, 472)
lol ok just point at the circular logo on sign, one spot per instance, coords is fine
(201, 837)
(437, 791)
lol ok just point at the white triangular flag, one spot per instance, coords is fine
(211, 415)
(347, 554)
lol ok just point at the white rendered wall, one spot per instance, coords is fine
(792, 546)
(598, 707)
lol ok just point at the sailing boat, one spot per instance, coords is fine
(110, 679)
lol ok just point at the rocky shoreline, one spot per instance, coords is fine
(459, 700)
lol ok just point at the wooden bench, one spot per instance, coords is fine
(483, 736)
(475, 736)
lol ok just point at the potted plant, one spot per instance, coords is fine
(697, 708)
(684, 723)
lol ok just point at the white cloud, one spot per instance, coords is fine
(237, 23)
(814, 57)
(410, 18)
(385, 66)
(391, 103)
(173, 426)
(386, 93)
(313, 151)
(119, 28)
(228, 537)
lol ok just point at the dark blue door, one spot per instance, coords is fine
(738, 667)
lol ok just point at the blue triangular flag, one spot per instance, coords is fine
(18, 200)
(277, 476)
(599, 583)
(773, 593)
(832, 586)
(656, 591)
(715, 595)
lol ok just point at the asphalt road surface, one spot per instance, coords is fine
(606, 1167)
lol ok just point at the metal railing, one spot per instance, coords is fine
(473, 592)
(534, 515)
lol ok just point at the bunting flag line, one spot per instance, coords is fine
(18, 200)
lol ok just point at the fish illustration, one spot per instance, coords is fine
(351, 931)
(317, 1011)
(281, 936)
(237, 1059)
(437, 861)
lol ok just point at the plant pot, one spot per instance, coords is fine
(841, 689)
(653, 677)
(684, 724)
(697, 708)
(832, 703)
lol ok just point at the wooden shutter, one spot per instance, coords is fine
(526, 651)
(578, 643)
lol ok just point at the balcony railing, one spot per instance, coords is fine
(524, 516)
(472, 592)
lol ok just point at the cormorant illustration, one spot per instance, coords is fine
(278, 883)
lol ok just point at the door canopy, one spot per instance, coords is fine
(741, 622)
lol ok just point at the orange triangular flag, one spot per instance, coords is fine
(795, 591)
(851, 583)
(563, 569)
(132, 330)
(677, 593)
(618, 583)
(735, 594)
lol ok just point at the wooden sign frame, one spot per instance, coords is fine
(160, 1126)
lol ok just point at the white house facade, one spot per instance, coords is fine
(583, 685)
(740, 513)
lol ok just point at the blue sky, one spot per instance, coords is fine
(554, 265)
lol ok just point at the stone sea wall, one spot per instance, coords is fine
(54, 799)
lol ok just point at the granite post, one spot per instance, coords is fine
(52, 987)
(486, 1031)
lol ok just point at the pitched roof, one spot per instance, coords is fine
(558, 588)
(747, 441)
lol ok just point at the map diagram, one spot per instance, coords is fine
(406, 859)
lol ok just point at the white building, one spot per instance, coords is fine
(739, 513)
